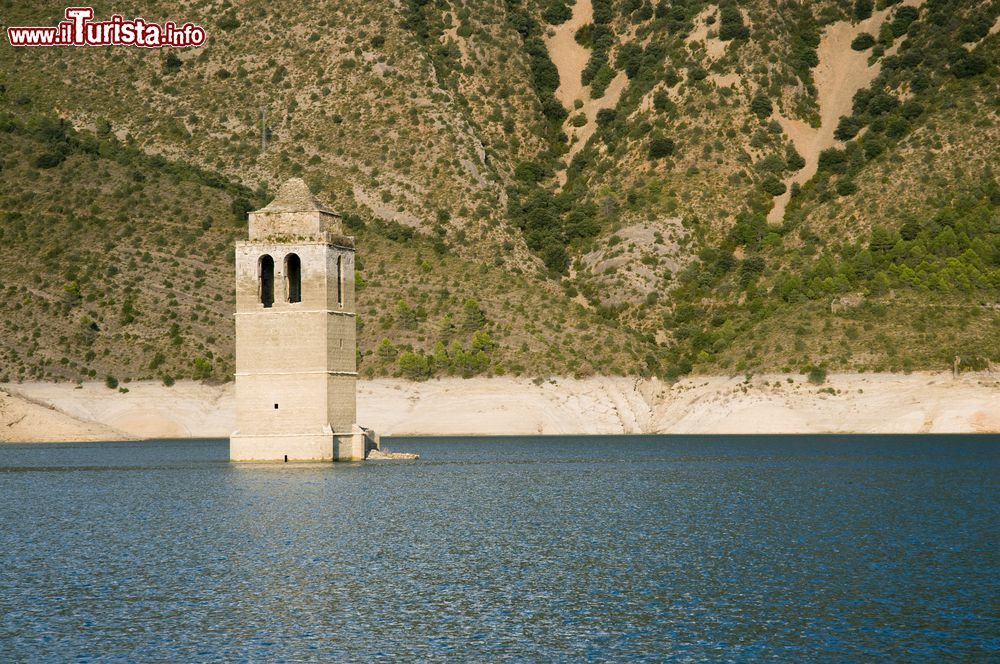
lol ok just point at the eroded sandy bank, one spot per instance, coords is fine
(919, 402)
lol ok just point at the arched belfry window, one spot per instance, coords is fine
(293, 277)
(265, 269)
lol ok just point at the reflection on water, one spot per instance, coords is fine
(572, 548)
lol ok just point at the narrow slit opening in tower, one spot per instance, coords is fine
(340, 282)
(266, 269)
(293, 274)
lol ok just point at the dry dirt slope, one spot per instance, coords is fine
(917, 403)
(841, 72)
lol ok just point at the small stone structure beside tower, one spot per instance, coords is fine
(296, 362)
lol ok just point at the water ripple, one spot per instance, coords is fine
(515, 549)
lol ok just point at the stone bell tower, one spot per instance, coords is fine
(296, 370)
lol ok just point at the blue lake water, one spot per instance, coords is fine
(681, 548)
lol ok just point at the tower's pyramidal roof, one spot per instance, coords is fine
(294, 196)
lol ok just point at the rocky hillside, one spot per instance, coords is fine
(611, 186)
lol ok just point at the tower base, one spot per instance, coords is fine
(326, 445)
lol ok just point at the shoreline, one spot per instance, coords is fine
(919, 402)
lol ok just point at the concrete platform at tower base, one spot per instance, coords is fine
(323, 446)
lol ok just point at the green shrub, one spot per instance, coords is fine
(474, 318)
(71, 292)
(661, 101)
(557, 12)
(481, 341)
(227, 23)
(606, 116)
(846, 187)
(544, 75)
(202, 368)
(772, 163)
(863, 41)
(761, 105)
(599, 85)
(48, 160)
(882, 240)
(793, 159)
(406, 315)
(911, 109)
(873, 146)
(965, 64)
(598, 58)
(241, 208)
(833, 160)
(386, 350)
(848, 128)
(805, 39)
(975, 29)
(773, 186)
(882, 102)
(660, 147)
(414, 366)
(630, 59)
(816, 375)
(752, 267)
(531, 171)
(172, 63)
(603, 11)
(111, 382)
(902, 19)
(731, 24)
(697, 73)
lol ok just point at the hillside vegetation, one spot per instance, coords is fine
(117, 265)
(511, 217)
